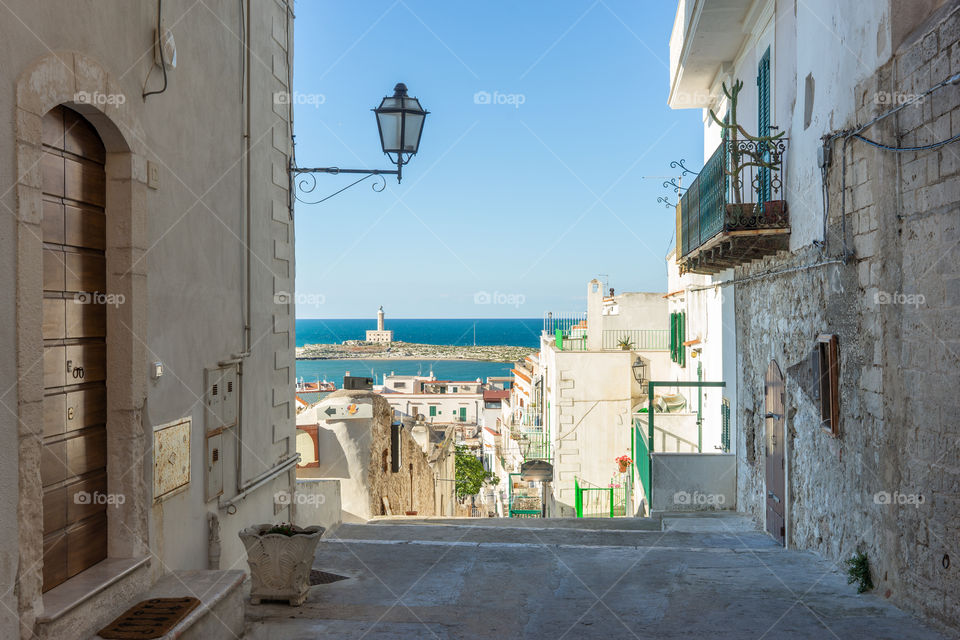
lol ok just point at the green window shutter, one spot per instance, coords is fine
(681, 336)
(673, 337)
(725, 422)
(763, 120)
(433, 411)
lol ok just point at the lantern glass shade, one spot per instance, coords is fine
(400, 120)
(639, 370)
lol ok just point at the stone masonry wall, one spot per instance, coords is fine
(889, 485)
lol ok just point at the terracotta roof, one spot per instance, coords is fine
(496, 394)
(522, 376)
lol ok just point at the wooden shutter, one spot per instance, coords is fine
(763, 119)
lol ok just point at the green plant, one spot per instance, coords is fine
(625, 343)
(283, 529)
(858, 570)
(624, 460)
(470, 476)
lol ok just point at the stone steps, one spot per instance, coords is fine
(220, 615)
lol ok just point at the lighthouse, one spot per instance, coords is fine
(380, 334)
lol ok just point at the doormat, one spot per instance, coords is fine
(322, 577)
(149, 619)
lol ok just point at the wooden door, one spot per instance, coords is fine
(74, 458)
(774, 430)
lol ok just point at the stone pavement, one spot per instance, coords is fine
(698, 577)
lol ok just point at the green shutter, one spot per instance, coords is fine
(673, 337)
(763, 121)
(681, 336)
(433, 411)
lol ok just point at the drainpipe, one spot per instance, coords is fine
(700, 404)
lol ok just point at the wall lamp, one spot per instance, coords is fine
(400, 121)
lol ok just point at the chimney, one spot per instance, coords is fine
(594, 310)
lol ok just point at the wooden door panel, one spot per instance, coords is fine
(51, 169)
(80, 497)
(85, 320)
(54, 366)
(775, 480)
(53, 223)
(85, 272)
(53, 270)
(54, 509)
(89, 408)
(86, 544)
(54, 415)
(83, 181)
(53, 128)
(85, 227)
(80, 138)
(54, 319)
(54, 559)
(53, 463)
(87, 451)
(91, 358)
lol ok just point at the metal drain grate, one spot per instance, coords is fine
(322, 577)
(149, 619)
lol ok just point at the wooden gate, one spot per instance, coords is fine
(74, 460)
(774, 428)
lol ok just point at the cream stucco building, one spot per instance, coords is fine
(146, 348)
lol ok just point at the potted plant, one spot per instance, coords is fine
(280, 557)
(624, 462)
(625, 343)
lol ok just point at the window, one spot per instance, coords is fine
(827, 369)
(678, 353)
(400, 385)
(763, 120)
(453, 390)
(433, 410)
(395, 462)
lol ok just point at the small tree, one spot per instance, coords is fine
(470, 475)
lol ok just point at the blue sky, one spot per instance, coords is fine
(524, 198)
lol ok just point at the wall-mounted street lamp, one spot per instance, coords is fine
(400, 121)
(639, 370)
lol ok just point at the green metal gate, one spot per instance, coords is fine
(599, 502)
(524, 501)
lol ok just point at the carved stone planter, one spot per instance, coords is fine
(280, 564)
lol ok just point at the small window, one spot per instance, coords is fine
(400, 385)
(828, 379)
(395, 462)
(433, 410)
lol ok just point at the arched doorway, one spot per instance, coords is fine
(74, 455)
(774, 451)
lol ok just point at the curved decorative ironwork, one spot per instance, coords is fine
(678, 164)
(672, 183)
(303, 181)
(666, 203)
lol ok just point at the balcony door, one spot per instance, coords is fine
(763, 123)
(74, 456)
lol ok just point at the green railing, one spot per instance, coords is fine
(524, 502)
(641, 457)
(535, 445)
(567, 342)
(639, 339)
(599, 502)
(746, 174)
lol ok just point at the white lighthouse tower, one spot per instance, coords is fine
(381, 334)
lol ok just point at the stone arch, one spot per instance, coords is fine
(82, 84)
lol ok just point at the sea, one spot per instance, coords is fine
(522, 332)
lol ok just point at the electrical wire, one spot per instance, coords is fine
(887, 147)
(163, 62)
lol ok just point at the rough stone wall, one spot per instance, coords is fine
(889, 485)
(415, 468)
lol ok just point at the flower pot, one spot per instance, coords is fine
(280, 564)
(623, 466)
(411, 513)
(773, 212)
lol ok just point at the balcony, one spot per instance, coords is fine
(734, 211)
(637, 339)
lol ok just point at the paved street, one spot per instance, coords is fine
(700, 577)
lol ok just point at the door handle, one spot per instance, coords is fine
(775, 416)
(771, 494)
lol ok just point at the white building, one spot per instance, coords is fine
(381, 334)
(438, 401)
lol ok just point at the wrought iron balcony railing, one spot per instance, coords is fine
(637, 339)
(735, 207)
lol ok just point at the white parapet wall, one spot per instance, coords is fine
(317, 502)
(694, 482)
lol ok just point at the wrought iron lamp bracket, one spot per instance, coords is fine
(304, 180)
